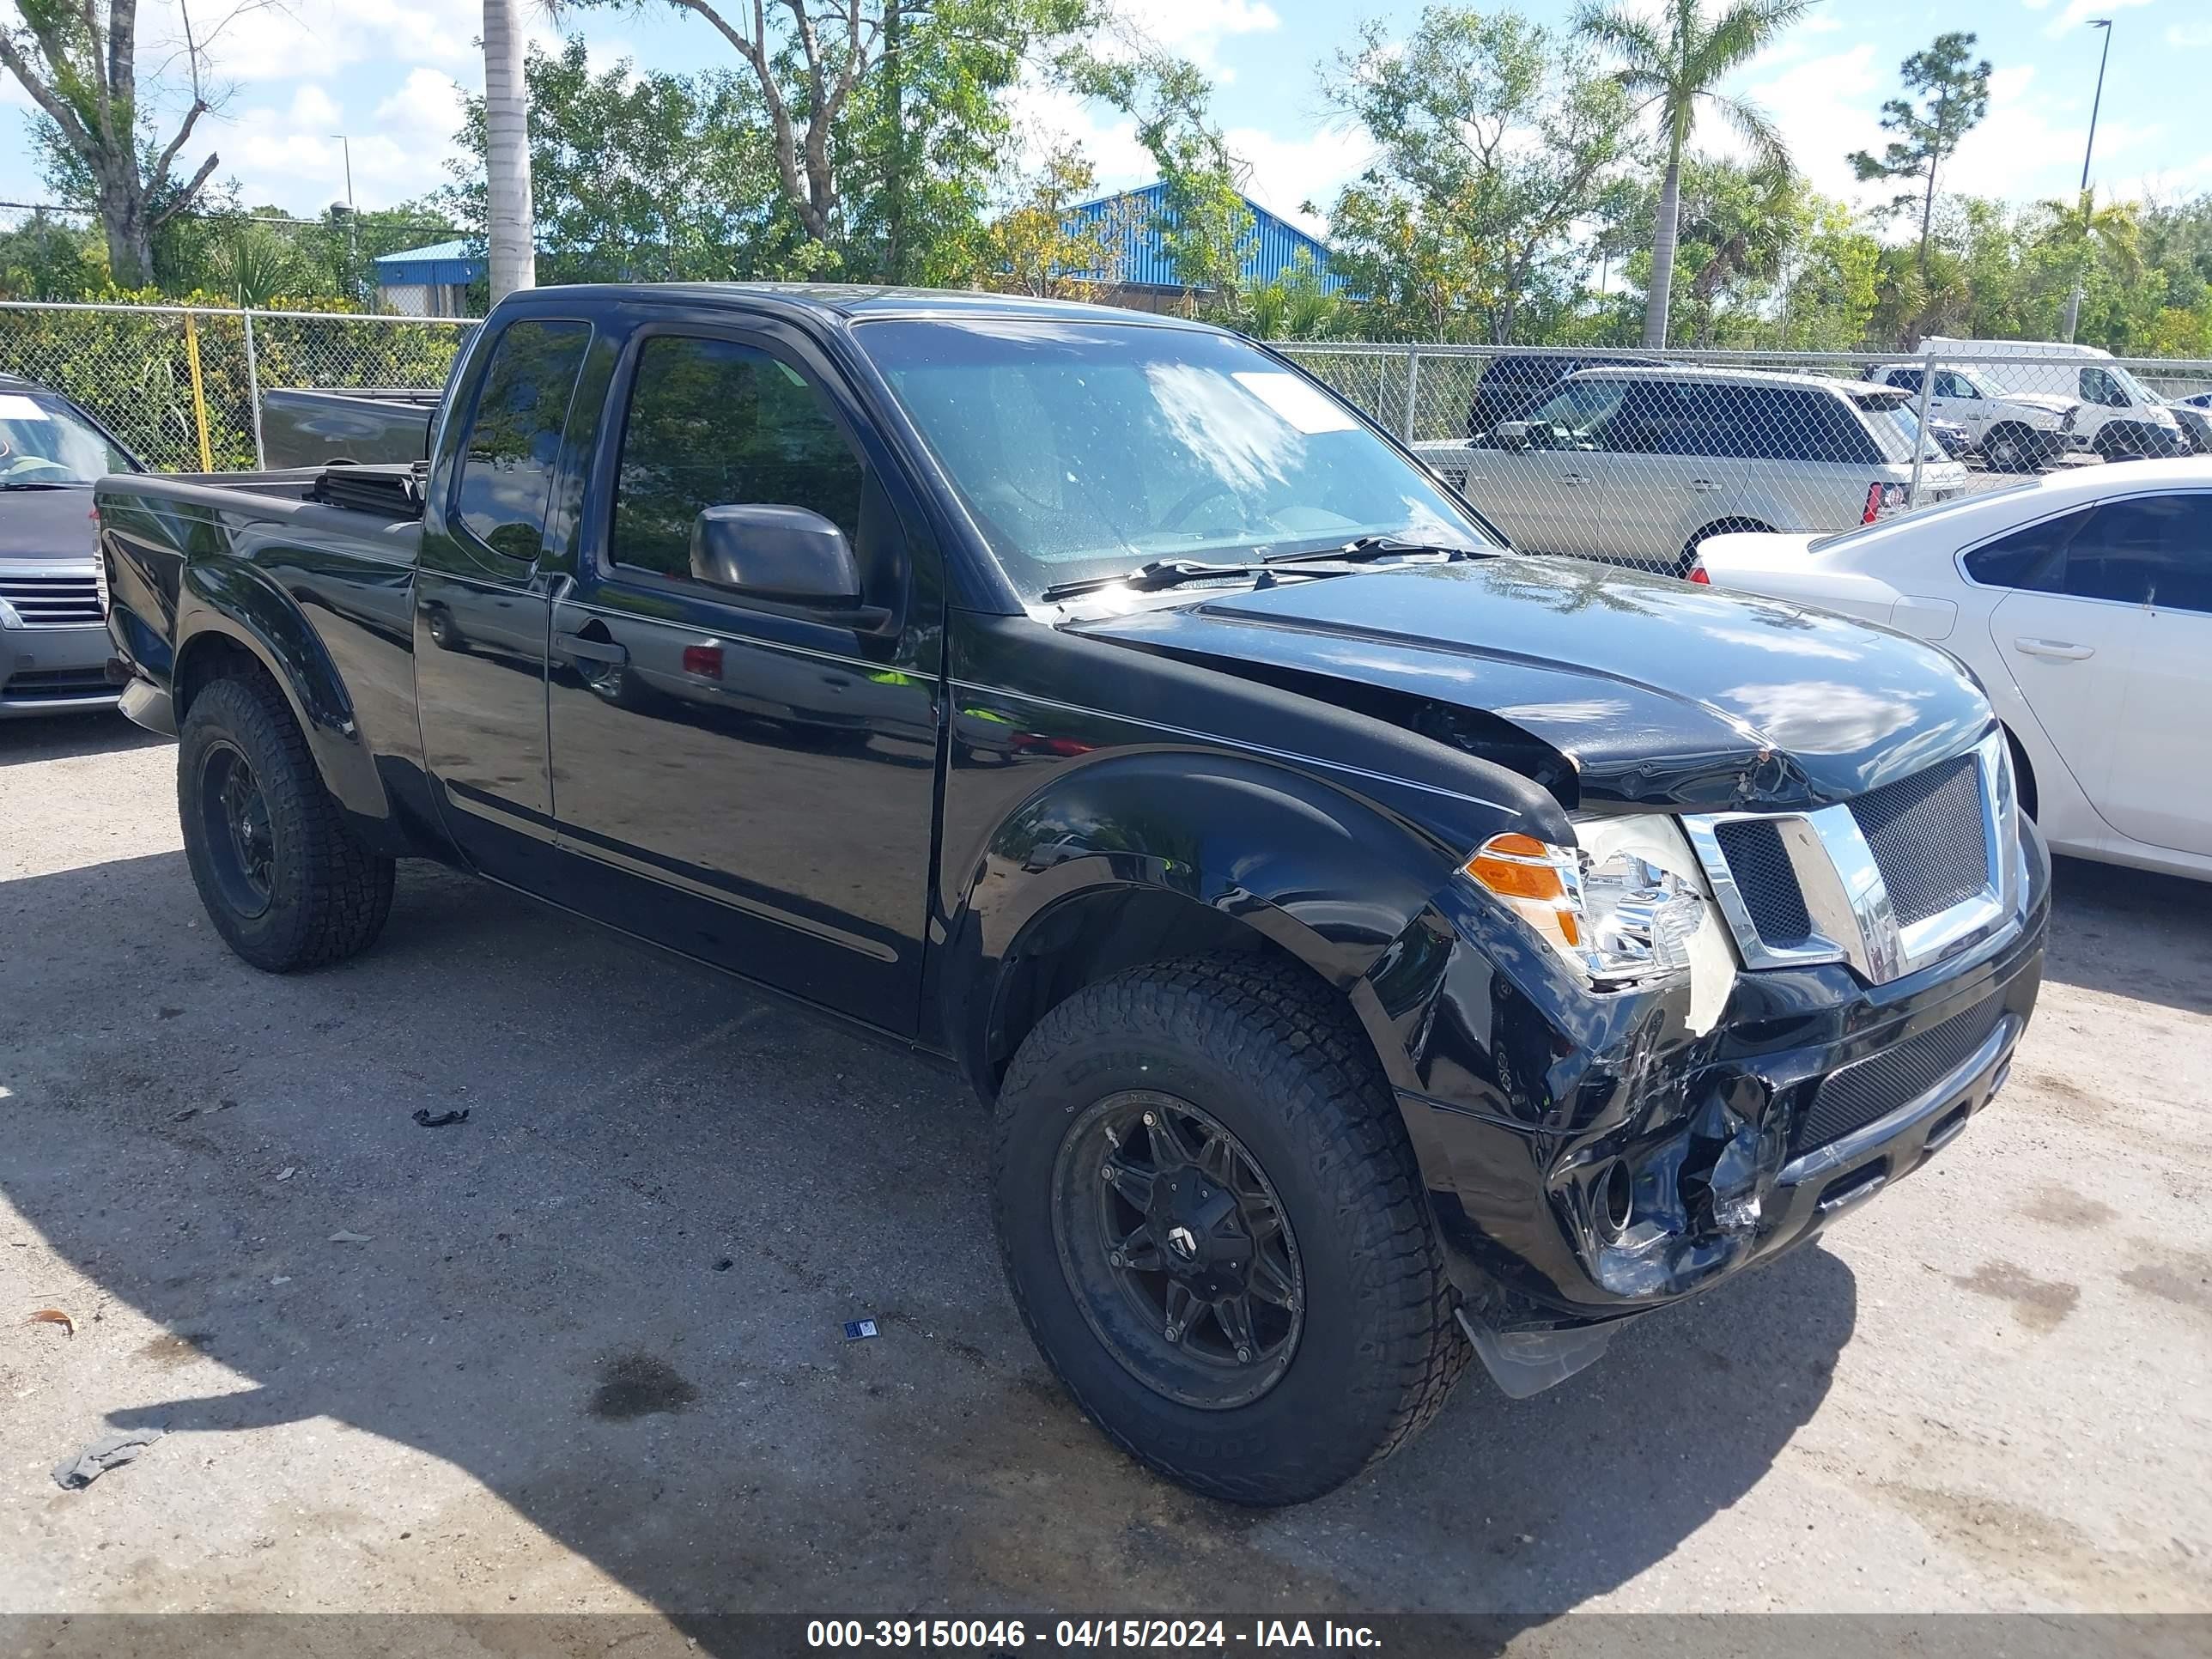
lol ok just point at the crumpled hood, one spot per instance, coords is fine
(2050, 400)
(47, 527)
(1655, 692)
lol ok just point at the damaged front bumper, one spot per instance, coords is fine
(1589, 1159)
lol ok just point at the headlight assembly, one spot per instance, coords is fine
(1625, 907)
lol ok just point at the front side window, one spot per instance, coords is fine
(514, 439)
(1083, 449)
(715, 423)
(1579, 414)
(1952, 384)
(2148, 550)
(2099, 386)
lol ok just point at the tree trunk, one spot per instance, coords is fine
(1663, 236)
(512, 230)
(130, 240)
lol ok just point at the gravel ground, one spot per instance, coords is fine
(585, 1352)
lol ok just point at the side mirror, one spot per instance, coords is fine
(1510, 434)
(788, 554)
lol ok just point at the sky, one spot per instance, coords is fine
(388, 74)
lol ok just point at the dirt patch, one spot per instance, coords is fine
(2039, 1303)
(174, 1349)
(2184, 1280)
(640, 1385)
(2061, 1206)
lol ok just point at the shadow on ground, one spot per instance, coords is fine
(614, 1296)
(60, 736)
(2132, 933)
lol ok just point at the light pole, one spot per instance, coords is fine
(353, 244)
(2074, 298)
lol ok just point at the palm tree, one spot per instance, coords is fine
(2080, 229)
(507, 151)
(1673, 65)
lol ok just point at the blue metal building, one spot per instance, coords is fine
(1276, 243)
(428, 281)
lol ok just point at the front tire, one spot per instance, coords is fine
(1214, 1227)
(2014, 448)
(284, 881)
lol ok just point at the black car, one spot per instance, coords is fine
(53, 644)
(1515, 382)
(1377, 948)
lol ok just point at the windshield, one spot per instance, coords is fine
(1086, 449)
(44, 441)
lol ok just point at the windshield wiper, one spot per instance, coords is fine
(36, 483)
(1374, 547)
(1159, 573)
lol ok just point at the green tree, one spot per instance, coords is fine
(1954, 95)
(78, 60)
(1205, 228)
(1494, 141)
(634, 176)
(2081, 236)
(1041, 246)
(1674, 67)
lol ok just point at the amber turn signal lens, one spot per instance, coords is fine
(1518, 867)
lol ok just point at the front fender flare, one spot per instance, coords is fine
(1324, 874)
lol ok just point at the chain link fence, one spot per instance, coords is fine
(1635, 457)
(181, 386)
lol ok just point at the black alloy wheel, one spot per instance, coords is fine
(241, 841)
(1178, 1251)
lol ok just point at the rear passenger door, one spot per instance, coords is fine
(749, 783)
(1664, 474)
(480, 598)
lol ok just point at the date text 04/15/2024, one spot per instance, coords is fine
(987, 1636)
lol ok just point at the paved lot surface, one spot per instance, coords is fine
(590, 1357)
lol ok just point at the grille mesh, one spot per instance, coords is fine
(1857, 1094)
(1768, 882)
(1927, 838)
(53, 601)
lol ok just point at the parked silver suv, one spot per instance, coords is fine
(1638, 466)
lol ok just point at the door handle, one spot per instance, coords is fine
(577, 648)
(2062, 650)
(1572, 478)
(1704, 486)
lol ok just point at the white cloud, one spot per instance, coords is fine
(291, 155)
(2189, 34)
(2078, 12)
(1287, 172)
(1192, 29)
(2030, 145)
(1825, 108)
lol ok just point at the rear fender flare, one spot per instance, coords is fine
(231, 599)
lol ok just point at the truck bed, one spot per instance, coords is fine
(305, 426)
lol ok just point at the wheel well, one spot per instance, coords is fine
(1093, 935)
(2023, 774)
(210, 658)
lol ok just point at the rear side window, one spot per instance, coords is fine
(1909, 379)
(514, 438)
(2148, 549)
(1789, 423)
(2028, 558)
(713, 422)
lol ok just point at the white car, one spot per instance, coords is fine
(2012, 431)
(2083, 601)
(2116, 414)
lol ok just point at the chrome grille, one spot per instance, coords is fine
(1859, 1094)
(52, 601)
(1926, 833)
(1767, 880)
(1887, 883)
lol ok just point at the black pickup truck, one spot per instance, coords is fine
(1376, 947)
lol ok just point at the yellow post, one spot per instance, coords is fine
(199, 397)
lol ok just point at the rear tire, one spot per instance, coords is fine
(284, 881)
(1269, 1107)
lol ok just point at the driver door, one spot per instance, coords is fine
(745, 780)
(1544, 495)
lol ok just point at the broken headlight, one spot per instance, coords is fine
(1618, 905)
